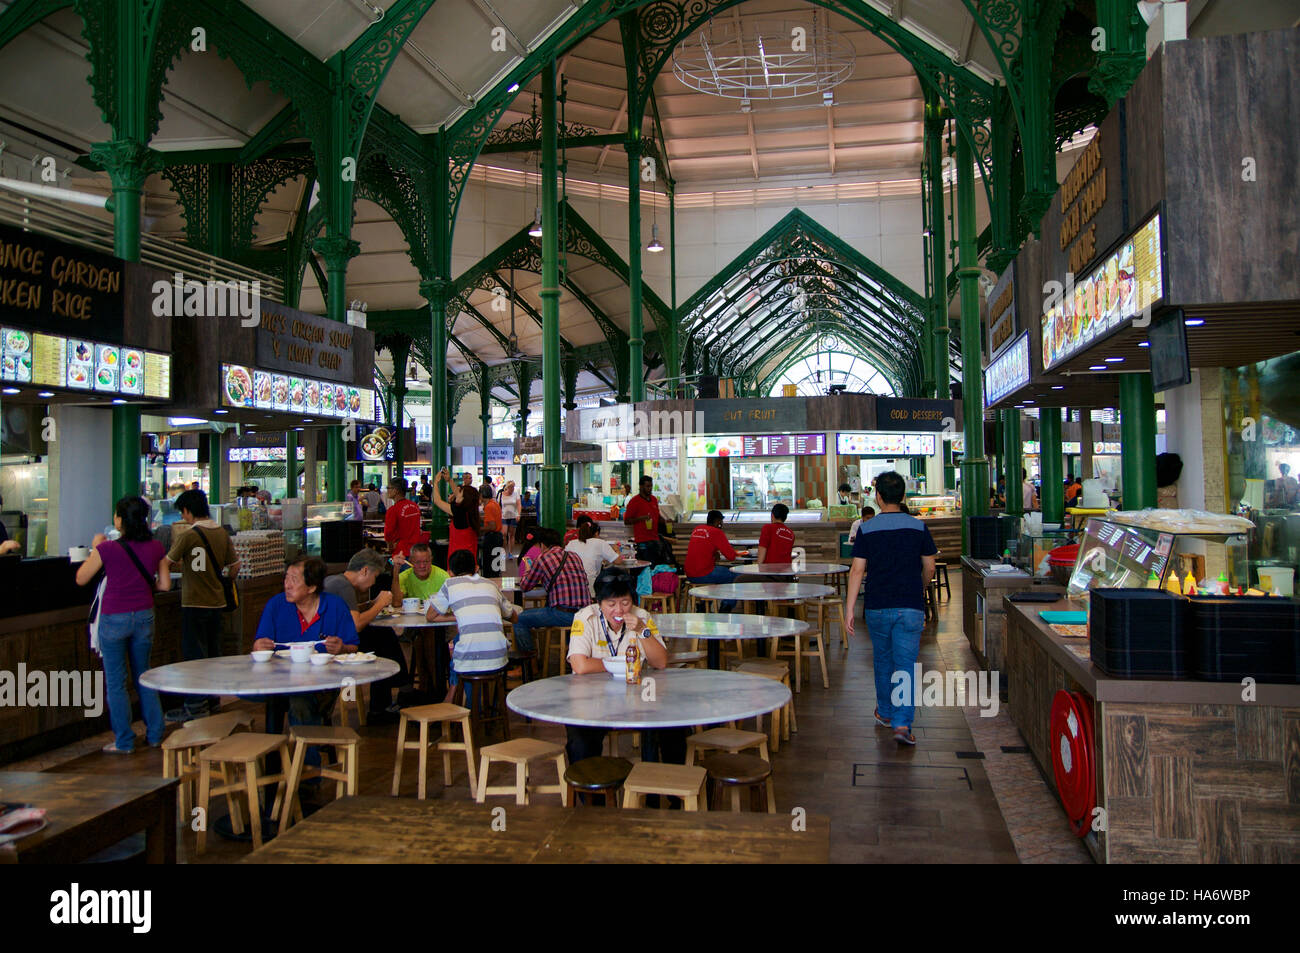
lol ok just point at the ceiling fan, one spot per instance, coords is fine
(513, 351)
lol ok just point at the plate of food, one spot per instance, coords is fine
(82, 352)
(239, 385)
(134, 360)
(106, 378)
(327, 398)
(131, 382)
(355, 658)
(108, 356)
(261, 388)
(79, 375)
(295, 393)
(313, 395)
(17, 341)
(280, 389)
(354, 400)
(340, 399)
(374, 444)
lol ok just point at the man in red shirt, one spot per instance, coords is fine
(642, 514)
(776, 541)
(402, 520)
(702, 551)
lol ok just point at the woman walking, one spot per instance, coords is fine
(463, 510)
(132, 564)
(509, 500)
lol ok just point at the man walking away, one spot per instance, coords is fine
(204, 552)
(896, 553)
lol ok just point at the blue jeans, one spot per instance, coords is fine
(720, 574)
(531, 619)
(895, 642)
(125, 642)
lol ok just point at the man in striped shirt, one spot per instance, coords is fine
(564, 578)
(478, 608)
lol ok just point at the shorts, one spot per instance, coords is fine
(510, 522)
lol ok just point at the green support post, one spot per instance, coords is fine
(291, 464)
(1137, 434)
(399, 420)
(937, 313)
(974, 466)
(214, 468)
(336, 466)
(1052, 493)
(126, 452)
(436, 292)
(1011, 462)
(552, 488)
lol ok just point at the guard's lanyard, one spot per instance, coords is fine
(609, 639)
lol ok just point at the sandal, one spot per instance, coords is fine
(880, 722)
(112, 748)
(904, 736)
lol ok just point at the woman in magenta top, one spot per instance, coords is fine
(126, 617)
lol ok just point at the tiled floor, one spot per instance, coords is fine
(955, 797)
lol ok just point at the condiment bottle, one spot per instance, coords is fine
(1171, 583)
(1223, 588)
(633, 657)
(1189, 584)
(1153, 581)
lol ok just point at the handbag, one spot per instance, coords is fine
(227, 584)
(95, 613)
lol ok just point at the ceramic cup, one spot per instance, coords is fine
(410, 605)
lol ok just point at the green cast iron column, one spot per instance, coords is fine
(336, 464)
(214, 468)
(1052, 492)
(398, 404)
(291, 464)
(552, 489)
(435, 292)
(1137, 434)
(937, 322)
(337, 250)
(1011, 461)
(974, 466)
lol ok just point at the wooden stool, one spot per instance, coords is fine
(180, 752)
(597, 776)
(814, 648)
(657, 602)
(675, 780)
(831, 609)
(548, 636)
(344, 741)
(522, 752)
(941, 570)
(424, 716)
(736, 771)
(730, 740)
(240, 718)
(526, 662)
(242, 750)
(612, 740)
(783, 720)
(480, 712)
(691, 659)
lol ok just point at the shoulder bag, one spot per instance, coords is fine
(227, 584)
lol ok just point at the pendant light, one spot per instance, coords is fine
(536, 230)
(655, 245)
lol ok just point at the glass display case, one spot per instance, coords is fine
(1128, 549)
(761, 485)
(924, 506)
(306, 534)
(751, 516)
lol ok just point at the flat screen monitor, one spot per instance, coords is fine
(1170, 365)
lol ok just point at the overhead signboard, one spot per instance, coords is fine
(1128, 281)
(304, 345)
(247, 387)
(752, 415)
(783, 445)
(1008, 372)
(885, 444)
(914, 414)
(1003, 319)
(47, 360)
(61, 289)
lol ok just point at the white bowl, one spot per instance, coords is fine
(617, 667)
(263, 655)
(410, 605)
(302, 651)
(320, 658)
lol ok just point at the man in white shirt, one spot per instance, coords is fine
(1029, 494)
(591, 549)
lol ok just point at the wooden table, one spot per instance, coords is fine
(360, 830)
(90, 812)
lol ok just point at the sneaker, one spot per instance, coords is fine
(880, 722)
(904, 736)
(112, 748)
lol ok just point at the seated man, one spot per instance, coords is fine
(304, 611)
(604, 630)
(776, 541)
(562, 575)
(706, 544)
(353, 587)
(478, 608)
(416, 577)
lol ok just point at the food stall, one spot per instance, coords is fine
(1167, 723)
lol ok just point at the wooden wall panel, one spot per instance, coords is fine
(1171, 788)
(1144, 129)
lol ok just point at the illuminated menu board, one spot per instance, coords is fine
(885, 444)
(640, 449)
(264, 390)
(261, 454)
(1008, 372)
(726, 445)
(784, 445)
(1130, 280)
(47, 360)
(183, 455)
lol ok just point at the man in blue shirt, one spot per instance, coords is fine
(896, 553)
(306, 612)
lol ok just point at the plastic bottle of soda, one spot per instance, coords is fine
(633, 657)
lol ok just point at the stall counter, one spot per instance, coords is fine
(1187, 771)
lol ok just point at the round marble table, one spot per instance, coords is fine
(788, 569)
(762, 591)
(682, 697)
(715, 629)
(432, 660)
(240, 675)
